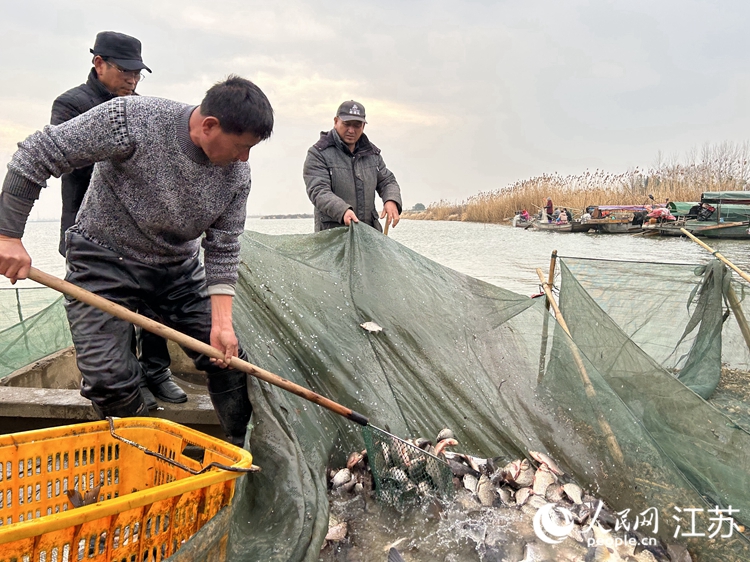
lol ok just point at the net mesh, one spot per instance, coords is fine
(32, 325)
(635, 406)
(404, 473)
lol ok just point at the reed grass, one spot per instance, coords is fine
(720, 167)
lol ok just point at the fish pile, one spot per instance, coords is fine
(536, 487)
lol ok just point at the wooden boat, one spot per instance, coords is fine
(579, 226)
(517, 222)
(617, 219)
(46, 393)
(730, 217)
(552, 226)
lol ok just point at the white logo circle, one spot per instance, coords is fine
(546, 526)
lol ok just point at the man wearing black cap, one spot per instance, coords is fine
(344, 170)
(118, 67)
(117, 71)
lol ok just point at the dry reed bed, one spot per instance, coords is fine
(722, 167)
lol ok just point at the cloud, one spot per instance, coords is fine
(462, 96)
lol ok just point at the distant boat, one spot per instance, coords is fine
(719, 214)
(579, 225)
(617, 219)
(553, 226)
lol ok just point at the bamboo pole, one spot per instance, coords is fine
(739, 315)
(734, 302)
(611, 440)
(184, 340)
(551, 276)
(741, 273)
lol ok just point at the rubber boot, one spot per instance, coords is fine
(133, 406)
(228, 392)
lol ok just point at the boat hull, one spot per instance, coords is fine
(47, 393)
(702, 229)
(553, 227)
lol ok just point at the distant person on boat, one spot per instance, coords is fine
(117, 71)
(549, 209)
(525, 216)
(568, 214)
(168, 178)
(343, 171)
(562, 218)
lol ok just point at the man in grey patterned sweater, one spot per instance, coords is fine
(165, 175)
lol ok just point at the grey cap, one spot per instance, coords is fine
(351, 111)
(122, 50)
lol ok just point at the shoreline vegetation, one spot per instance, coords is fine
(292, 216)
(717, 167)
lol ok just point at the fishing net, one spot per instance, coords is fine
(403, 472)
(32, 325)
(621, 405)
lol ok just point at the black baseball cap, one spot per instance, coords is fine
(120, 49)
(351, 111)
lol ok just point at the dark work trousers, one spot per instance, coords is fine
(152, 354)
(150, 349)
(176, 295)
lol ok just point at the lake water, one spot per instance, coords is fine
(498, 254)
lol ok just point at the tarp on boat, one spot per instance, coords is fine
(488, 363)
(721, 197)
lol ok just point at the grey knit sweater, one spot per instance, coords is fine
(153, 192)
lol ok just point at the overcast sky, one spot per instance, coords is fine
(461, 97)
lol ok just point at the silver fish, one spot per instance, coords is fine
(574, 492)
(460, 469)
(543, 478)
(486, 491)
(341, 477)
(537, 502)
(445, 433)
(505, 496)
(470, 483)
(371, 327)
(526, 475)
(511, 471)
(356, 459)
(397, 475)
(422, 443)
(543, 458)
(554, 493)
(337, 532)
(522, 495)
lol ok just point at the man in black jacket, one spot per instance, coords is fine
(117, 70)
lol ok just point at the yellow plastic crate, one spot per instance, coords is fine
(147, 507)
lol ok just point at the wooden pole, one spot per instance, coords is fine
(611, 440)
(551, 276)
(734, 302)
(184, 340)
(739, 315)
(741, 273)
